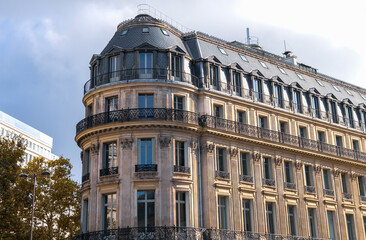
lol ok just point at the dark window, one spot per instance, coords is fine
(283, 127)
(361, 185)
(257, 88)
(339, 141)
(312, 222)
(247, 214)
(288, 172)
(176, 66)
(178, 102)
(145, 208)
(214, 76)
(278, 95)
(333, 110)
(344, 183)
(267, 168)
(146, 151)
(218, 111)
(309, 175)
(315, 106)
(111, 104)
(302, 132)
(181, 213)
(350, 227)
(270, 211)
(220, 158)
(331, 225)
(109, 211)
(262, 122)
(85, 218)
(321, 137)
(349, 119)
(86, 162)
(222, 212)
(179, 153)
(237, 83)
(146, 65)
(327, 179)
(240, 116)
(356, 145)
(109, 155)
(146, 101)
(292, 220)
(245, 168)
(297, 101)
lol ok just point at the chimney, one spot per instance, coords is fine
(290, 58)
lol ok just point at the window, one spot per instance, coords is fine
(145, 65)
(302, 132)
(291, 212)
(214, 76)
(363, 96)
(145, 208)
(263, 64)
(146, 151)
(85, 217)
(111, 104)
(297, 101)
(278, 95)
(218, 112)
(247, 215)
(222, 212)
(165, 32)
(113, 66)
(178, 103)
(333, 110)
(146, 101)
(270, 213)
(222, 50)
(319, 82)
(312, 223)
(350, 227)
(221, 159)
(145, 30)
(308, 175)
(315, 106)
(331, 225)
(300, 76)
(364, 224)
(344, 183)
(124, 32)
(336, 88)
(349, 119)
(237, 83)
(262, 122)
(349, 92)
(180, 153)
(245, 167)
(89, 110)
(267, 168)
(86, 162)
(257, 88)
(327, 179)
(355, 145)
(321, 137)
(339, 142)
(109, 211)
(240, 117)
(282, 70)
(181, 218)
(243, 57)
(109, 155)
(288, 172)
(176, 66)
(283, 127)
(361, 185)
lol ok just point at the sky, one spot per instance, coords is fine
(46, 46)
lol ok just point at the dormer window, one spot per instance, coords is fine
(222, 50)
(243, 57)
(363, 96)
(124, 32)
(165, 32)
(282, 70)
(349, 92)
(336, 88)
(145, 30)
(319, 82)
(263, 64)
(300, 76)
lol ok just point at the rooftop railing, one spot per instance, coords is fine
(126, 75)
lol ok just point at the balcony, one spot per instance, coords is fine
(85, 177)
(268, 182)
(245, 178)
(129, 75)
(347, 196)
(329, 192)
(291, 186)
(137, 114)
(108, 171)
(310, 189)
(181, 233)
(146, 168)
(182, 169)
(222, 174)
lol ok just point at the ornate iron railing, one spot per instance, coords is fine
(108, 171)
(85, 177)
(181, 233)
(182, 169)
(310, 189)
(146, 168)
(276, 136)
(289, 185)
(246, 178)
(363, 198)
(269, 182)
(127, 75)
(137, 114)
(222, 174)
(348, 196)
(328, 192)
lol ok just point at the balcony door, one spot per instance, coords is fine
(146, 65)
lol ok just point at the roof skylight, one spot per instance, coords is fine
(222, 50)
(336, 88)
(319, 82)
(282, 70)
(124, 32)
(243, 57)
(349, 92)
(300, 76)
(263, 64)
(363, 96)
(165, 32)
(145, 30)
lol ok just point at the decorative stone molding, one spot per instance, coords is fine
(336, 172)
(165, 141)
(208, 147)
(194, 146)
(257, 156)
(298, 165)
(234, 152)
(278, 160)
(126, 143)
(354, 176)
(95, 148)
(317, 168)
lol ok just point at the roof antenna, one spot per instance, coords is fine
(284, 43)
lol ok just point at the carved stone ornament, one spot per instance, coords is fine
(298, 165)
(194, 146)
(209, 147)
(234, 152)
(94, 148)
(165, 141)
(336, 172)
(278, 160)
(126, 143)
(257, 156)
(317, 168)
(354, 176)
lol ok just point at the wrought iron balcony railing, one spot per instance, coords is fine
(246, 178)
(181, 233)
(182, 169)
(85, 177)
(329, 192)
(269, 182)
(127, 75)
(290, 185)
(363, 198)
(348, 196)
(137, 114)
(146, 168)
(108, 171)
(310, 189)
(222, 174)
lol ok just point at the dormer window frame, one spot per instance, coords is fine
(124, 32)
(348, 91)
(222, 50)
(319, 82)
(300, 76)
(336, 88)
(164, 31)
(243, 57)
(263, 64)
(214, 76)
(297, 101)
(145, 30)
(282, 70)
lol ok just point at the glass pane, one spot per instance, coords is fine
(150, 214)
(150, 101)
(140, 195)
(149, 62)
(142, 101)
(150, 195)
(331, 225)
(141, 214)
(142, 60)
